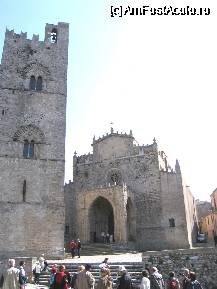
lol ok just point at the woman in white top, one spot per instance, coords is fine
(145, 283)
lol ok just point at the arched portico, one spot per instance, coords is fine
(101, 219)
(102, 210)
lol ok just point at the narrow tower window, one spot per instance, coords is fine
(39, 83)
(172, 222)
(32, 83)
(24, 190)
(66, 229)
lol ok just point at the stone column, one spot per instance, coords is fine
(120, 216)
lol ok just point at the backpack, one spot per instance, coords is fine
(173, 284)
(195, 285)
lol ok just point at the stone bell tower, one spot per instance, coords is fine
(33, 92)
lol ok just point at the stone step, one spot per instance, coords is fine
(134, 269)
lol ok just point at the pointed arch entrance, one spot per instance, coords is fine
(101, 219)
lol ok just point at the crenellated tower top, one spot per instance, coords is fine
(113, 134)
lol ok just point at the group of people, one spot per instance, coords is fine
(14, 278)
(151, 279)
(60, 278)
(75, 247)
(106, 237)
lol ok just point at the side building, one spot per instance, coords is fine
(33, 91)
(208, 223)
(130, 192)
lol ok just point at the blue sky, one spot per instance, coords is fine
(155, 75)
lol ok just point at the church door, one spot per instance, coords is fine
(101, 218)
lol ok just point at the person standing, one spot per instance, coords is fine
(37, 272)
(156, 279)
(74, 277)
(173, 282)
(52, 276)
(43, 262)
(124, 282)
(186, 278)
(193, 283)
(73, 246)
(105, 280)
(107, 238)
(22, 275)
(11, 276)
(145, 282)
(68, 278)
(78, 247)
(85, 279)
(104, 264)
(60, 279)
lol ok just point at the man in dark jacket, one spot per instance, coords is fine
(156, 279)
(78, 247)
(124, 282)
(193, 283)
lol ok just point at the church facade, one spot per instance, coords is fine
(33, 91)
(129, 191)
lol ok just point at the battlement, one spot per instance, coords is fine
(12, 34)
(137, 150)
(51, 34)
(112, 133)
(83, 159)
(16, 37)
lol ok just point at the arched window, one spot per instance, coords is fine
(32, 83)
(53, 37)
(39, 83)
(28, 149)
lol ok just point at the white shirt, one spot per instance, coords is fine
(37, 268)
(145, 283)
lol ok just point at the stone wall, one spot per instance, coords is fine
(173, 207)
(203, 261)
(31, 194)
